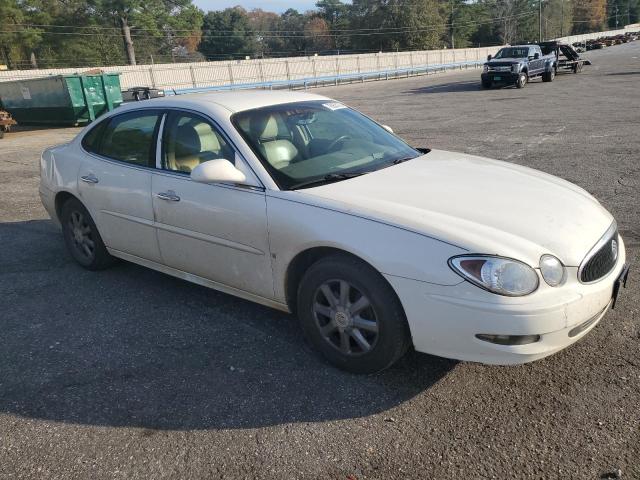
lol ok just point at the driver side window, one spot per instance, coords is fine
(189, 140)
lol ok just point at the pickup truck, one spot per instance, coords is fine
(516, 65)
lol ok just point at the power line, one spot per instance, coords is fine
(356, 32)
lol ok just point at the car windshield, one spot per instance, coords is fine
(305, 144)
(512, 52)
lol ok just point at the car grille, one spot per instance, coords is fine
(602, 259)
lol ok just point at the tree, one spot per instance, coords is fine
(227, 33)
(589, 15)
(16, 40)
(396, 24)
(317, 34)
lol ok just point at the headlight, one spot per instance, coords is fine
(552, 270)
(515, 68)
(485, 68)
(503, 276)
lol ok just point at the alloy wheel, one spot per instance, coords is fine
(345, 317)
(81, 235)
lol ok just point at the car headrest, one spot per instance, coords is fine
(187, 141)
(264, 127)
(208, 139)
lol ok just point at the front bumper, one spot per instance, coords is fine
(499, 77)
(444, 320)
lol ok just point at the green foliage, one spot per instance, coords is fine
(86, 33)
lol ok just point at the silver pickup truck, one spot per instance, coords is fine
(516, 65)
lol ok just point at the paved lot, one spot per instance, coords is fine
(129, 373)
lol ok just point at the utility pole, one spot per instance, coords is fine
(453, 45)
(616, 15)
(562, 20)
(540, 20)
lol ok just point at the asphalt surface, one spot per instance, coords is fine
(129, 373)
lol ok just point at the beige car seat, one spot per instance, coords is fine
(278, 150)
(193, 144)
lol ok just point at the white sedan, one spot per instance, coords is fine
(298, 202)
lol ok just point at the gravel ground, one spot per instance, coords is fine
(129, 373)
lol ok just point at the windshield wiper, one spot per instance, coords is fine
(403, 159)
(329, 178)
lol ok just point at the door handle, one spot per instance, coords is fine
(91, 178)
(169, 196)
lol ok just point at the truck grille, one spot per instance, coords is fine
(602, 257)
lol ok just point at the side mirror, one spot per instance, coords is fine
(216, 171)
(489, 57)
(536, 56)
(387, 128)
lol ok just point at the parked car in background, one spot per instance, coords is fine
(517, 65)
(298, 202)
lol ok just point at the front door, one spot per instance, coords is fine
(214, 231)
(114, 182)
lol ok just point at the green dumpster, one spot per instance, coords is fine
(61, 99)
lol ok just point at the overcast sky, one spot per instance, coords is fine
(269, 5)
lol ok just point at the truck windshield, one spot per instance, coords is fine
(512, 52)
(305, 144)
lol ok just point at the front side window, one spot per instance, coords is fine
(190, 140)
(130, 138)
(305, 143)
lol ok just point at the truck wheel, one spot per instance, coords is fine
(522, 80)
(549, 76)
(1, 132)
(486, 84)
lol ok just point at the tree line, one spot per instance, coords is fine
(70, 33)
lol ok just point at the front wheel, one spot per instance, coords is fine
(522, 80)
(351, 315)
(486, 84)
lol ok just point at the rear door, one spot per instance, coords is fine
(114, 181)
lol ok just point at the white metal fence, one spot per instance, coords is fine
(181, 76)
(291, 70)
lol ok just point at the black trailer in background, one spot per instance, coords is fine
(568, 58)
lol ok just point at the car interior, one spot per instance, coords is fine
(190, 141)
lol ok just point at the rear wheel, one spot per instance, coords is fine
(2, 127)
(82, 238)
(549, 76)
(351, 315)
(522, 80)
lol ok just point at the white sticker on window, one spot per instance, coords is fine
(26, 94)
(334, 105)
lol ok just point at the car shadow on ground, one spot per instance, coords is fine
(132, 347)
(457, 87)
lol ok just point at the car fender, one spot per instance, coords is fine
(296, 226)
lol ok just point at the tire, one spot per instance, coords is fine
(1, 132)
(522, 80)
(82, 238)
(549, 76)
(364, 341)
(486, 84)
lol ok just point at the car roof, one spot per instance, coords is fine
(234, 101)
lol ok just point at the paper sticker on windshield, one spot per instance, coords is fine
(334, 105)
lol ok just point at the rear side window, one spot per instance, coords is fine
(91, 141)
(130, 138)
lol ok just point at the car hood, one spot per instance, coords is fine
(478, 204)
(505, 61)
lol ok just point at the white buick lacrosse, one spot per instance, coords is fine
(301, 203)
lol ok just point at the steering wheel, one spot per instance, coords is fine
(337, 141)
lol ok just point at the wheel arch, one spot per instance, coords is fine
(61, 198)
(302, 261)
